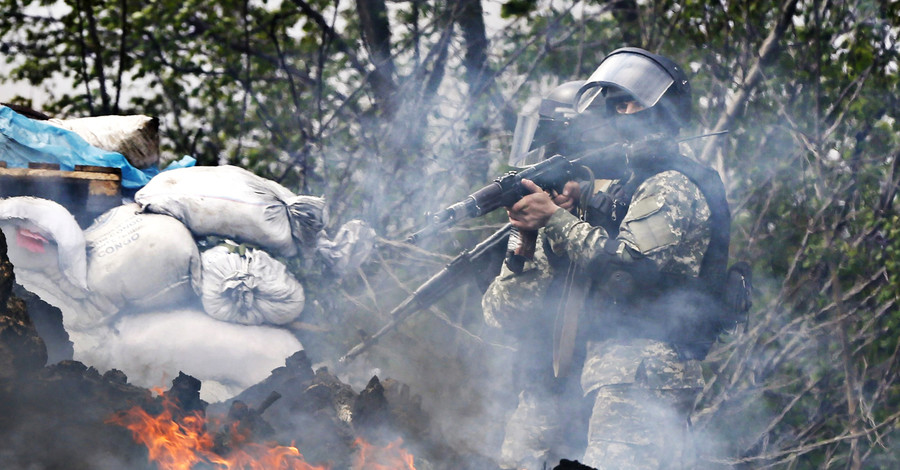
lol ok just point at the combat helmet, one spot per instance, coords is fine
(656, 82)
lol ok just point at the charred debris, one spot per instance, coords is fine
(62, 415)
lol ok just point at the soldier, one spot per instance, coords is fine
(620, 279)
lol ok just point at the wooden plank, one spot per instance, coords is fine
(86, 192)
(43, 166)
(103, 188)
(99, 169)
(48, 173)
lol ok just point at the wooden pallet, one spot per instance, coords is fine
(86, 192)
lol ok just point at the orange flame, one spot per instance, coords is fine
(179, 444)
(391, 457)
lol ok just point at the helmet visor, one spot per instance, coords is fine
(638, 75)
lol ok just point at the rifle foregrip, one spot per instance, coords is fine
(488, 198)
(552, 173)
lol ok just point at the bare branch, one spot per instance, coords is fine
(766, 52)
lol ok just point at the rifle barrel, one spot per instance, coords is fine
(432, 290)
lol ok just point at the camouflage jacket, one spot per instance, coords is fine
(667, 222)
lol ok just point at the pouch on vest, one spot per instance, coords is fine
(738, 294)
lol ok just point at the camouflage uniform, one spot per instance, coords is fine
(640, 391)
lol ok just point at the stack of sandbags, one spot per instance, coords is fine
(126, 286)
(135, 280)
(231, 202)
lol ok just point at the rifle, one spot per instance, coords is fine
(552, 173)
(610, 162)
(460, 268)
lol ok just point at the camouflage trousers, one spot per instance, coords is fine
(632, 427)
(542, 430)
(639, 398)
(643, 398)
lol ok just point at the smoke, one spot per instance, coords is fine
(152, 348)
(468, 376)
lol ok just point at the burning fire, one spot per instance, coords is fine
(177, 442)
(392, 457)
(182, 442)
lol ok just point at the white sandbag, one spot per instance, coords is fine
(47, 249)
(349, 249)
(81, 309)
(136, 137)
(40, 233)
(234, 203)
(152, 348)
(141, 260)
(250, 288)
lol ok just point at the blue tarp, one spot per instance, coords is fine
(24, 140)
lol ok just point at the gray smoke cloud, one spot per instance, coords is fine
(465, 373)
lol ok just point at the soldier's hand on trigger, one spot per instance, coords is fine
(534, 210)
(568, 197)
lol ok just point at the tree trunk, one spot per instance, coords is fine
(471, 21)
(376, 33)
(479, 79)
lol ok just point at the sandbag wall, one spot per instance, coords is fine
(142, 259)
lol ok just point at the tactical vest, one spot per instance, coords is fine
(695, 331)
